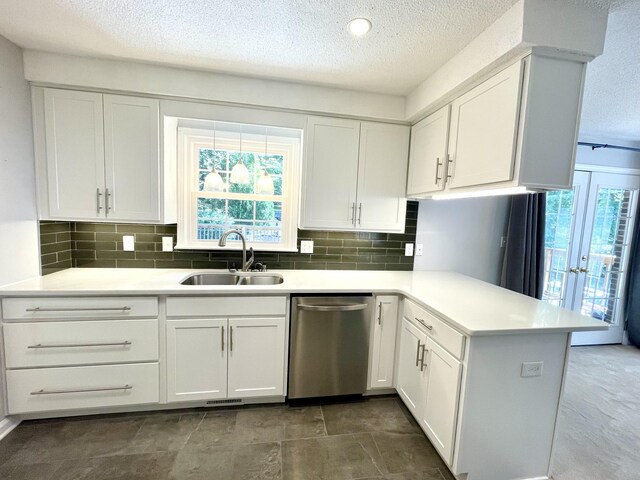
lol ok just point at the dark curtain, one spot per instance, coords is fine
(632, 297)
(523, 264)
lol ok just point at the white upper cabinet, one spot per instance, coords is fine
(483, 131)
(98, 156)
(354, 175)
(75, 153)
(331, 173)
(516, 129)
(132, 169)
(428, 155)
(382, 177)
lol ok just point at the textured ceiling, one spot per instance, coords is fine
(611, 106)
(300, 40)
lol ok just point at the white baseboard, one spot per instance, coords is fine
(7, 424)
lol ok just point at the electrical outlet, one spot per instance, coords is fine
(167, 244)
(418, 249)
(128, 243)
(408, 250)
(531, 369)
(306, 246)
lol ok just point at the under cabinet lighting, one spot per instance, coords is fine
(483, 193)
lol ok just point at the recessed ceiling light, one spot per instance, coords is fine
(359, 26)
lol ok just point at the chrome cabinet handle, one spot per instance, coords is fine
(230, 339)
(360, 214)
(98, 206)
(222, 338)
(438, 165)
(107, 196)
(126, 343)
(83, 390)
(88, 309)
(353, 214)
(450, 167)
(418, 353)
(428, 327)
(424, 351)
(333, 308)
(380, 313)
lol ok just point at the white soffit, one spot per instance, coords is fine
(296, 40)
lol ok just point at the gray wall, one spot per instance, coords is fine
(19, 257)
(463, 236)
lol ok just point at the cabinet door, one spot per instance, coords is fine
(428, 154)
(384, 342)
(484, 124)
(196, 359)
(441, 405)
(256, 357)
(330, 173)
(411, 384)
(132, 161)
(382, 177)
(75, 154)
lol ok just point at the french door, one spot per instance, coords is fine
(587, 239)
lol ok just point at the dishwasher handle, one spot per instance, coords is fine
(334, 308)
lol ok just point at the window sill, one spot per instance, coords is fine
(236, 248)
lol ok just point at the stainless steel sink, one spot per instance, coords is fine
(211, 279)
(233, 279)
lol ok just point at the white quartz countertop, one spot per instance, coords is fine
(472, 306)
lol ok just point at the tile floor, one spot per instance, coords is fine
(371, 439)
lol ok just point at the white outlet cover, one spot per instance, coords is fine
(128, 243)
(306, 246)
(532, 369)
(408, 250)
(167, 244)
(418, 249)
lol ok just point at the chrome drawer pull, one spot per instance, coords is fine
(73, 345)
(428, 327)
(418, 353)
(104, 389)
(88, 309)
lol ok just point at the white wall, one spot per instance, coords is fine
(463, 236)
(19, 246)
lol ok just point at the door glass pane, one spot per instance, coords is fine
(560, 213)
(608, 250)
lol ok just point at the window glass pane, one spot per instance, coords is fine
(241, 210)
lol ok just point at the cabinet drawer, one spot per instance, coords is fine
(41, 308)
(52, 389)
(450, 339)
(225, 306)
(49, 344)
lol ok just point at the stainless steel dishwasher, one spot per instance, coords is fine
(329, 352)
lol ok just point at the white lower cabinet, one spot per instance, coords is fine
(70, 388)
(429, 381)
(411, 385)
(441, 401)
(383, 342)
(256, 357)
(196, 359)
(239, 357)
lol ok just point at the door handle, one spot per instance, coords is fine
(450, 167)
(333, 308)
(230, 338)
(107, 196)
(584, 270)
(418, 353)
(353, 214)
(222, 338)
(360, 214)
(438, 165)
(424, 352)
(575, 270)
(380, 313)
(98, 206)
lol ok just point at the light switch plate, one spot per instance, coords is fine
(531, 369)
(418, 249)
(128, 243)
(306, 246)
(167, 244)
(408, 250)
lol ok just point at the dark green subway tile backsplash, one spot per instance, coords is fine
(76, 244)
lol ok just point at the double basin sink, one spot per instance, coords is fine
(239, 278)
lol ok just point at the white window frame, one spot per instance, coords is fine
(190, 140)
